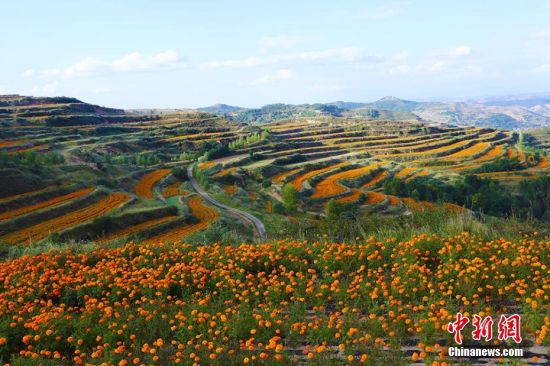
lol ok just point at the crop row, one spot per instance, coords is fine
(279, 178)
(174, 190)
(9, 143)
(299, 181)
(144, 188)
(25, 194)
(376, 179)
(41, 230)
(330, 186)
(355, 196)
(137, 228)
(41, 205)
(224, 172)
(203, 213)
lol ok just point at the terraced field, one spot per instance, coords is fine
(43, 229)
(317, 154)
(204, 214)
(137, 228)
(48, 142)
(331, 186)
(351, 160)
(144, 188)
(48, 203)
(360, 194)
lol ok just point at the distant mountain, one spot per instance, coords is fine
(395, 104)
(58, 111)
(506, 113)
(526, 101)
(274, 112)
(510, 112)
(348, 105)
(471, 113)
(220, 109)
(507, 117)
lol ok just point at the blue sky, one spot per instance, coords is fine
(138, 53)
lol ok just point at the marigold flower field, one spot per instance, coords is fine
(144, 188)
(279, 303)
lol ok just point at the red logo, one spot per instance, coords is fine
(509, 327)
(483, 328)
(457, 326)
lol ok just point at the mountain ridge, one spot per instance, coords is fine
(509, 112)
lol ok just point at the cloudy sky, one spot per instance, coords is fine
(140, 53)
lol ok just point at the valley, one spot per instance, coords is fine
(83, 173)
(190, 237)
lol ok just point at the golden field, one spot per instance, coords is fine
(273, 303)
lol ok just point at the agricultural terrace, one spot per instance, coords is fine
(314, 156)
(60, 158)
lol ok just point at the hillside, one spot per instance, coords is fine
(275, 112)
(510, 114)
(496, 113)
(73, 180)
(290, 229)
(221, 109)
(60, 111)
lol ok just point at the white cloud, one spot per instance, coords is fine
(541, 69)
(459, 51)
(545, 33)
(3, 89)
(330, 86)
(384, 11)
(433, 66)
(47, 89)
(399, 69)
(284, 41)
(282, 74)
(473, 69)
(91, 66)
(400, 56)
(347, 54)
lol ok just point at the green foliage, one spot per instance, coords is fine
(147, 158)
(201, 178)
(213, 150)
(279, 208)
(180, 173)
(31, 158)
(290, 197)
(501, 165)
(530, 200)
(223, 231)
(349, 227)
(187, 155)
(335, 210)
(243, 141)
(533, 199)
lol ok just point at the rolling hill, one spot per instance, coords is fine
(508, 113)
(327, 233)
(71, 169)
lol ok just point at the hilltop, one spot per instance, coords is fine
(515, 113)
(57, 111)
(506, 113)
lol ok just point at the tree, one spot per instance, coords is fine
(290, 197)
